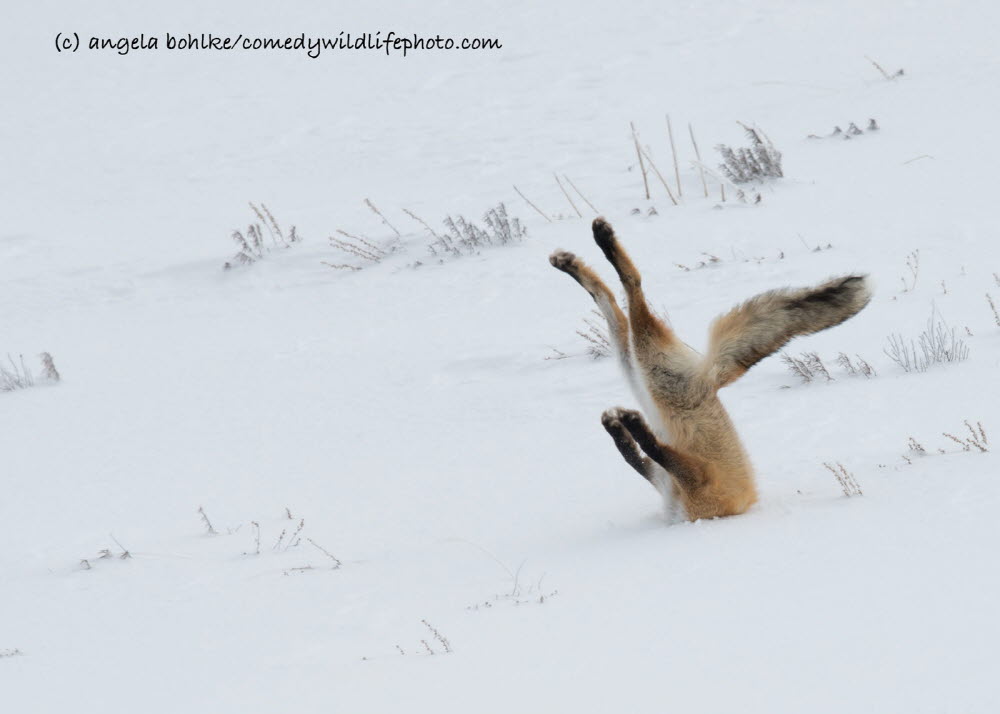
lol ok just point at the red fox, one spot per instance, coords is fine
(704, 466)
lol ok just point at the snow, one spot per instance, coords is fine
(409, 414)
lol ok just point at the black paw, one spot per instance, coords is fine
(633, 421)
(611, 419)
(604, 236)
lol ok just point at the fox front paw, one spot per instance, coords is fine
(612, 423)
(633, 421)
(612, 416)
(620, 418)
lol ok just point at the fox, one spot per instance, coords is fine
(689, 449)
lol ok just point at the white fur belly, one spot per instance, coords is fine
(662, 481)
(637, 382)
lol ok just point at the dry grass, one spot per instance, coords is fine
(49, 370)
(465, 237)
(936, 344)
(642, 164)
(861, 368)
(209, 529)
(580, 194)
(596, 336)
(670, 194)
(441, 639)
(106, 554)
(378, 213)
(425, 647)
(976, 439)
(462, 237)
(993, 307)
(16, 375)
(358, 247)
(568, 197)
(845, 478)
(807, 367)
(252, 244)
(422, 222)
(288, 541)
(336, 563)
(913, 267)
(916, 447)
(852, 131)
(710, 261)
(530, 203)
(256, 533)
(761, 160)
(532, 594)
(889, 77)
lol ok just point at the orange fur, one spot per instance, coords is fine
(710, 471)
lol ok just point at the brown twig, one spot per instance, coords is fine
(562, 188)
(885, 74)
(573, 186)
(659, 176)
(421, 221)
(540, 213)
(642, 165)
(993, 307)
(673, 151)
(384, 220)
(701, 171)
(208, 524)
(328, 554)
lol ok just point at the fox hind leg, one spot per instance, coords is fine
(668, 366)
(648, 331)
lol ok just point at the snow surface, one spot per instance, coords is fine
(410, 416)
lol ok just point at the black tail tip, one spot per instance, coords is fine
(860, 286)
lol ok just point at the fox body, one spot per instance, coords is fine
(689, 449)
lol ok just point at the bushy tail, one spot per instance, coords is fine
(765, 323)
